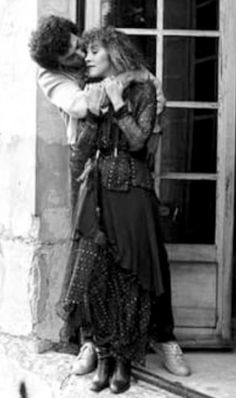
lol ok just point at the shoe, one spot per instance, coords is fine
(102, 374)
(172, 357)
(120, 380)
(86, 361)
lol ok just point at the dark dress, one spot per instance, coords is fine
(118, 269)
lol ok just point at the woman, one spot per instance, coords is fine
(116, 272)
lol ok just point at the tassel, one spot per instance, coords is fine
(100, 238)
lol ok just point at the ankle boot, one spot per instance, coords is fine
(102, 374)
(120, 380)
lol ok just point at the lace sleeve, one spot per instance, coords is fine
(137, 123)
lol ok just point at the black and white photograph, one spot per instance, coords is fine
(117, 198)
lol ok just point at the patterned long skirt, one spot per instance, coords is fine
(112, 286)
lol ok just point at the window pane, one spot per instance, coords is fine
(129, 14)
(189, 141)
(194, 14)
(147, 46)
(80, 15)
(188, 211)
(188, 64)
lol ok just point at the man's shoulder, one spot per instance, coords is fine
(61, 76)
(77, 77)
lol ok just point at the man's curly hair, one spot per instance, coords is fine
(123, 54)
(51, 40)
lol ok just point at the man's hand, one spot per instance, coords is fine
(139, 75)
(95, 96)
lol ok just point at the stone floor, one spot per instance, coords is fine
(213, 374)
(46, 375)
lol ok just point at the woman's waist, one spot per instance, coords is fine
(121, 151)
(120, 170)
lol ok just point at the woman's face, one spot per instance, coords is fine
(98, 61)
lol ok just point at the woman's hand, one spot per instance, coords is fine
(114, 90)
(95, 96)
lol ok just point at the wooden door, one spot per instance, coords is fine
(190, 46)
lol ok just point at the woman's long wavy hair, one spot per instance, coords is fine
(123, 54)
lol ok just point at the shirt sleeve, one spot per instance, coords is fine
(85, 145)
(64, 92)
(137, 123)
(161, 102)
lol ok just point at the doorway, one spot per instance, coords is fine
(195, 162)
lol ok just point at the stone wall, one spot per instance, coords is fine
(18, 222)
(34, 199)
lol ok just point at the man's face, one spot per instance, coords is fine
(74, 58)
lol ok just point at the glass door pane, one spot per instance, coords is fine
(191, 14)
(129, 14)
(147, 46)
(190, 62)
(189, 141)
(188, 211)
(80, 15)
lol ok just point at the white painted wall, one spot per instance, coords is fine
(18, 226)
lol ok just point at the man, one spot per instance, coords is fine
(56, 47)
